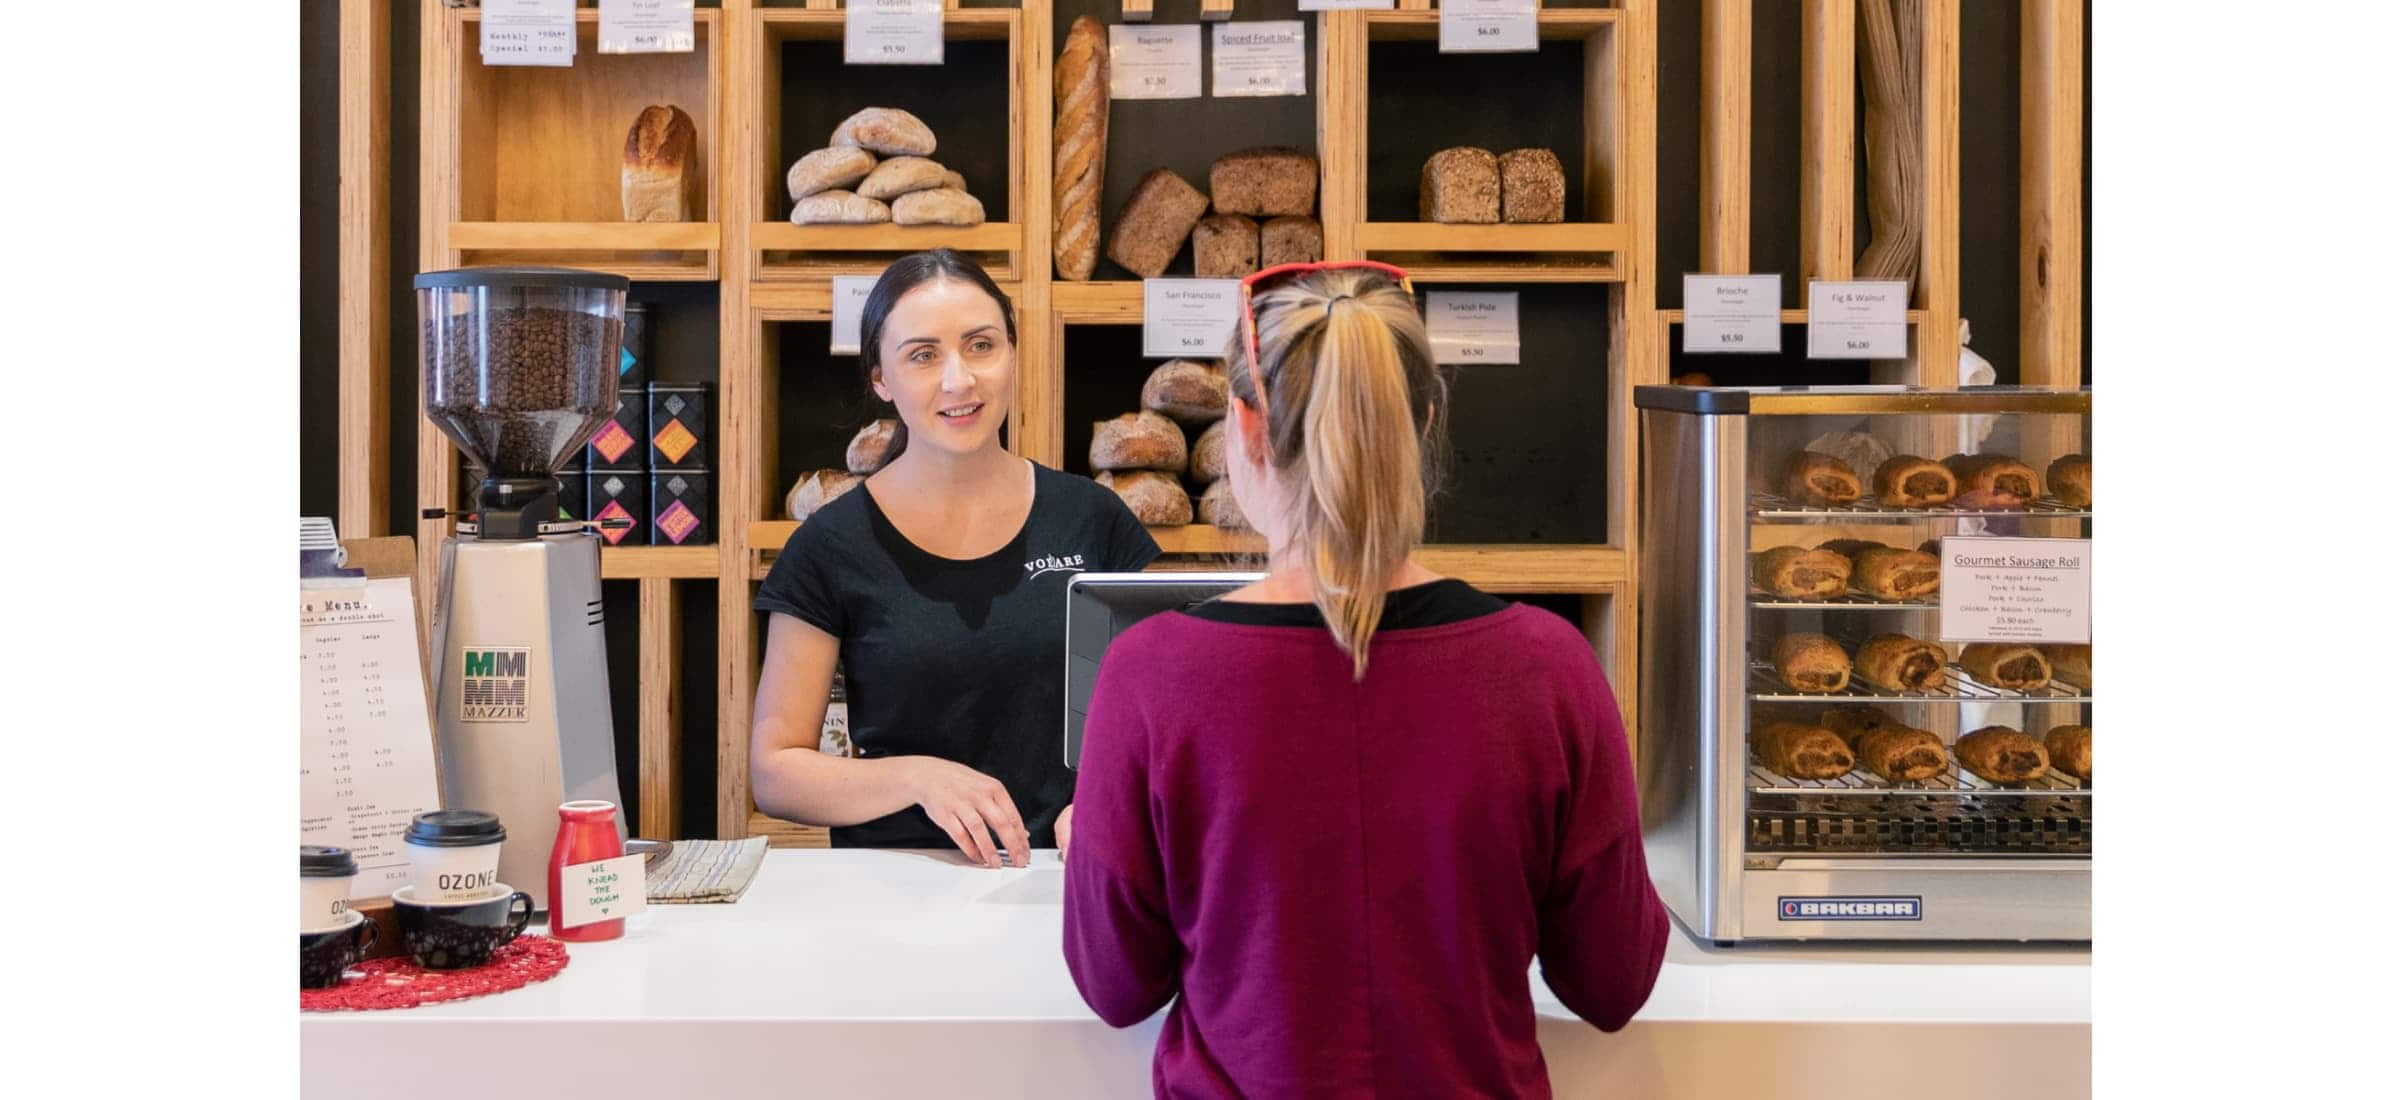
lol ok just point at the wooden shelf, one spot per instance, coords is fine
(892, 239)
(623, 563)
(1420, 24)
(1108, 302)
(643, 251)
(1197, 538)
(1570, 252)
(1786, 316)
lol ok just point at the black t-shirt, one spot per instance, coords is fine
(1436, 603)
(953, 658)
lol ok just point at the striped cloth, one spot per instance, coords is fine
(699, 871)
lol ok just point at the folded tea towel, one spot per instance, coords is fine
(697, 871)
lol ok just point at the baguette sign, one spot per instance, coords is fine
(1157, 62)
(2017, 590)
(1190, 318)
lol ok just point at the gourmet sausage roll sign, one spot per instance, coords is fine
(2017, 590)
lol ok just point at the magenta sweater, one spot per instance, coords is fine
(1344, 884)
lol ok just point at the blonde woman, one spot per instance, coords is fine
(1338, 812)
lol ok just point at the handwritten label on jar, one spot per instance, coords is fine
(646, 26)
(1190, 317)
(1487, 26)
(528, 32)
(608, 889)
(896, 32)
(1859, 320)
(1733, 314)
(1474, 329)
(2017, 590)
(1258, 59)
(848, 293)
(1157, 62)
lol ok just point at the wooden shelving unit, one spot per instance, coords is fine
(520, 166)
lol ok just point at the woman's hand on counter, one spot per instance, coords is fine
(974, 809)
(1063, 835)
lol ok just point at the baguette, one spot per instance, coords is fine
(1083, 108)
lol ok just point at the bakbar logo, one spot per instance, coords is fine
(1849, 908)
(497, 685)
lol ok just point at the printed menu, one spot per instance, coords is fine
(365, 757)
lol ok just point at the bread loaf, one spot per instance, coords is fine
(839, 208)
(901, 176)
(1533, 187)
(954, 179)
(1219, 507)
(887, 131)
(1083, 105)
(1187, 390)
(1155, 498)
(938, 206)
(1266, 182)
(1154, 223)
(1138, 441)
(657, 157)
(837, 168)
(1461, 186)
(869, 450)
(816, 489)
(1227, 246)
(1294, 239)
(1208, 458)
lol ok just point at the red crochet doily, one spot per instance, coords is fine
(396, 982)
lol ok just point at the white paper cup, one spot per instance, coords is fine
(449, 873)
(325, 875)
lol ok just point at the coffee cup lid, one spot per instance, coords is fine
(317, 861)
(455, 829)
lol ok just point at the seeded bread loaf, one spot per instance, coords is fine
(1188, 390)
(1155, 222)
(658, 155)
(1227, 246)
(1462, 186)
(839, 208)
(1266, 182)
(1294, 239)
(838, 168)
(887, 131)
(1138, 441)
(1532, 185)
(1155, 498)
(937, 206)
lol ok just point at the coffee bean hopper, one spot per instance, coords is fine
(519, 369)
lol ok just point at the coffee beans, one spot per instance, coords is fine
(514, 384)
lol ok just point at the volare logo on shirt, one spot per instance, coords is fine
(1039, 567)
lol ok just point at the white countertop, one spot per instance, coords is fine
(896, 955)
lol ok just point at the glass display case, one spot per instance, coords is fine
(1867, 663)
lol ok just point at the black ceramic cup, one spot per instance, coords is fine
(456, 935)
(324, 955)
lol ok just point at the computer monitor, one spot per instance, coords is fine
(1100, 607)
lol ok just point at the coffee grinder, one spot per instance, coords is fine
(519, 369)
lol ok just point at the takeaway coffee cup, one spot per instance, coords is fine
(456, 934)
(453, 855)
(325, 875)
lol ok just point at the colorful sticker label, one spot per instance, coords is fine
(611, 441)
(614, 510)
(674, 440)
(496, 685)
(628, 361)
(675, 404)
(677, 522)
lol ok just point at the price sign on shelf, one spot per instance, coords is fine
(1487, 26)
(1474, 329)
(896, 32)
(1859, 320)
(1735, 314)
(2017, 590)
(1258, 59)
(1151, 62)
(528, 32)
(848, 293)
(646, 26)
(1190, 318)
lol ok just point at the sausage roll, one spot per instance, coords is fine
(1908, 481)
(1797, 751)
(1855, 719)
(1891, 574)
(1791, 571)
(1850, 548)
(2005, 477)
(2071, 749)
(1815, 479)
(1897, 662)
(2011, 667)
(2071, 478)
(2002, 755)
(1902, 754)
(1812, 663)
(2071, 664)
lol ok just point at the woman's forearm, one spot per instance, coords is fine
(814, 788)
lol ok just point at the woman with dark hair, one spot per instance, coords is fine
(938, 585)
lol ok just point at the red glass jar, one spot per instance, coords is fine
(585, 833)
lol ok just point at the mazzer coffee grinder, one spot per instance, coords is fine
(519, 369)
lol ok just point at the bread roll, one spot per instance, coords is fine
(1811, 663)
(1902, 754)
(1268, 182)
(938, 206)
(1898, 662)
(838, 168)
(1799, 751)
(658, 155)
(2071, 478)
(1819, 480)
(2005, 666)
(1187, 390)
(1462, 186)
(869, 450)
(887, 131)
(1083, 103)
(1999, 754)
(1208, 459)
(952, 178)
(1139, 441)
(2071, 664)
(1291, 240)
(1908, 481)
(1219, 507)
(1155, 498)
(2071, 749)
(902, 175)
(1228, 246)
(1791, 572)
(1533, 187)
(816, 489)
(839, 208)
(1154, 223)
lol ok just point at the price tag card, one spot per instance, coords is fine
(646, 26)
(847, 312)
(1151, 62)
(609, 889)
(528, 32)
(896, 32)
(1732, 313)
(1339, 5)
(1487, 26)
(1191, 318)
(1859, 320)
(2017, 590)
(1258, 59)
(1474, 328)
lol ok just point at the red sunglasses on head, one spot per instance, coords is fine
(1260, 279)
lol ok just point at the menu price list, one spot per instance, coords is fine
(365, 763)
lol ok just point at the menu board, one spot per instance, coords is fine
(365, 753)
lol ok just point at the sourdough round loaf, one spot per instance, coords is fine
(1208, 459)
(1187, 390)
(1138, 441)
(1155, 498)
(869, 450)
